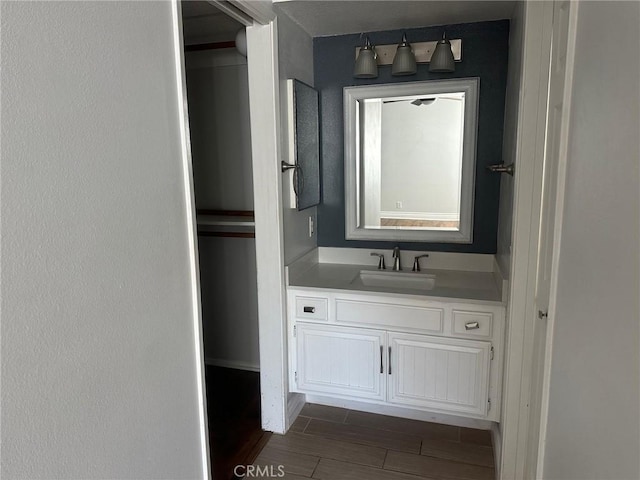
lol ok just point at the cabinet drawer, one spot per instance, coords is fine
(390, 315)
(473, 324)
(311, 308)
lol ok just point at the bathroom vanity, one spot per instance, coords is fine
(429, 341)
(412, 341)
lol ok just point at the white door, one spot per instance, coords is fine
(342, 361)
(552, 194)
(439, 373)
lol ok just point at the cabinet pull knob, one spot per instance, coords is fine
(309, 309)
(471, 326)
(389, 367)
(381, 350)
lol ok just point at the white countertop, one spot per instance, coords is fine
(450, 284)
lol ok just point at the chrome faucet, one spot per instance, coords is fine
(396, 259)
(416, 262)
(381, 265)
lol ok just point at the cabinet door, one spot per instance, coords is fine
(447, 374)
(338, 360)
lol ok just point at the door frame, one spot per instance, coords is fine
(529, 164)
(266, 128)
(192, 231)
(264, 97)
(536, 447)
(517, 444)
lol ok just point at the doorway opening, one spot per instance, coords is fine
(220, 136)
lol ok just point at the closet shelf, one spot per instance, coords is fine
(212, 221)
(226, 213)
(226, 223)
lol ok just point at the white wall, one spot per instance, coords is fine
(99, 368)
(295, 55)
(509, 139)
(422, 158)
(593, 423)
(229, 302)
(220, 130)
(222, 168)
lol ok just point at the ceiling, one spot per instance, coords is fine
(338, 17)
(204, 23)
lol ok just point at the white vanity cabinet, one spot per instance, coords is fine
(347, 361)
(439, 373)
(404, 351)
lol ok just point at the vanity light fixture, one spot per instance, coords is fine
(366, 63)
(404, 61)
(442, 60)
(440, 55)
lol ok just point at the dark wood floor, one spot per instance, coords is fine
(233, 409)
(336, 444)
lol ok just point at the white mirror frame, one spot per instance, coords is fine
(352, 95)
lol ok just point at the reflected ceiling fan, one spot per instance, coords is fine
(424, 101)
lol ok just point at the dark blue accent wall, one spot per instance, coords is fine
(485, 54)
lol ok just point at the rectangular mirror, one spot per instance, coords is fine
(306, 144)
(410, 155)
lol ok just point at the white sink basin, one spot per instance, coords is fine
(410, 280)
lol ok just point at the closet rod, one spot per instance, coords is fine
(228, 213)
(227, 234)
(209, 46)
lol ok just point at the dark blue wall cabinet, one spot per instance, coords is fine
(485, 53)
(307, 145)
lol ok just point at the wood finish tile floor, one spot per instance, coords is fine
(337, 444)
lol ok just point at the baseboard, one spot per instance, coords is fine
(216, 362)
(295, 402)
(402, 412)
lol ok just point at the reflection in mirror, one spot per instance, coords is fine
(410, 160)
(306, 135)
(417, 177)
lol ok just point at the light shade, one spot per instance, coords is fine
(366, 63)
(404, 62)
(442, 58)
(241, 42)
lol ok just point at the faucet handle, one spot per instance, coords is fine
(381, 265)
(416, 262)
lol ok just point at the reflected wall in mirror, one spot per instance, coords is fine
(410, 160)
